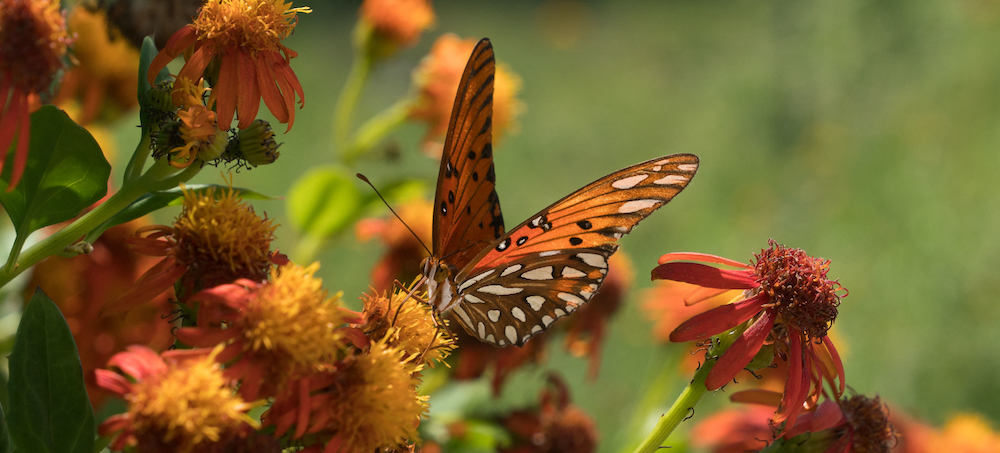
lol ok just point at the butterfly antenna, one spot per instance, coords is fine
(365, 179)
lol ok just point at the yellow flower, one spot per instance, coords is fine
(178, 401)
(408, 324)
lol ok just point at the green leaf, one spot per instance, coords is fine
(66, 173)
(158, 200)
(49, 408)
(324, 202)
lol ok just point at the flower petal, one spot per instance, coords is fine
(741, 352)
(154, 282)
(701, 294)
(10, 120)
(227, 88)
(181, 40)
(269, 92)
(701, 257)
(704, 275)
(797, 384)
(717, 320)
(248, 101)
(139, 362)
(835, 356)
(112, 382)
(204, 337)
(757, 396)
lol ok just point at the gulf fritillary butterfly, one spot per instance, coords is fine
(507, 287)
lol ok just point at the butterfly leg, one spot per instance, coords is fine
(410, 294)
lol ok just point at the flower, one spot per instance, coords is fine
(788, 303)
(406, 323)
(82, 284)
(194, 136)
(965, 433)
(177, 401)
(33, 41)
(556, 426)
(660, 305)
(243, 37)
(257, 145)
(586, 326)
(367, 401)
(855, 424)
(106, 73)
(215, 240)
(270, 330)
(437, 80)
(404, 252)
(395, 23)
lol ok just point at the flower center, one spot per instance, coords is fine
(797, 285)
(253, 24)
(868, 419)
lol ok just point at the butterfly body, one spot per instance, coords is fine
(505, 287)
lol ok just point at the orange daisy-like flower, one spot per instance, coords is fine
(33, 42)
(177, 401)
(789, 304)
(397, 22)
(406, 323)
(437, 80)
(365, 402)
(215, 240)
(244, 37)
(270, 330)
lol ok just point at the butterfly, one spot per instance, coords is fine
(505, 287)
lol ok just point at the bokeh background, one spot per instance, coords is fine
(865, 132)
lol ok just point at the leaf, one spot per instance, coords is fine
(146, 56)
(49, 408)
(66, 173)
(324, 202)
(158, 200)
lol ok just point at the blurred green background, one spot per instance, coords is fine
(865, 132)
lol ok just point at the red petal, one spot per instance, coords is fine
(204, 337)
(112, 382)
(717, 320)
(835, 356)
(181, 40)
(741, 352)
(139, 362)
(356, 337)
(114, 424)
(21, 155)
(302, 421)
(797, 384)
(701, 257)
(227, 87)
(707, 276)
(269, 91)
(248, 102)
(10, 120)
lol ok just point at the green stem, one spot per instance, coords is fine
(81, 226)
(349, 98)
(690, 397)
(134, 168)
(370, 133)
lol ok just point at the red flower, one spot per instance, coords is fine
(788, 303)
(244, 36)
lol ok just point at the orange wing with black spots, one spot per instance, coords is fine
(467, 215)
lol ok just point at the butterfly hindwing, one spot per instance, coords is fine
(507, 305)
(467, 214)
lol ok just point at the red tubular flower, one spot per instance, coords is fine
(33, 42)
(788, 303)
(244, 38)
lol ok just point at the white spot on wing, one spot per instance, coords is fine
(511, 270)
(494, 315)
(658, 168)
(547, 320)
(671, 179)
(472, 281)
(536, 329)
(687, 167)
(536, 302)
(482, 330)
(550, 253)
(637, 205)
(569, 272)
(511, 332)
(500, 290)
(463, 315)
(542, 273)
(593, 259)
(490, 338)
(559, 312)
(518, 313)
(525, 339)
(502, 343)
(628, 183)
(571, 299)
(586, 294)
(473, 299)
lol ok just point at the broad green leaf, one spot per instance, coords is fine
(66, 173)
(49, 409)
(324, 202)
(157, 200)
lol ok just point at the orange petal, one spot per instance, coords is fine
(151, 284)
(139, 362)
(204, 337)
(248, 100)
(112, 382)
(757, 396)
(700, 257)
(183, 38)
(226, 89)
(269, 91)
(195, 66)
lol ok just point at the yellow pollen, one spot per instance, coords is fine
(254, 25)
(292, 315)
(188, 405)
(407, 324)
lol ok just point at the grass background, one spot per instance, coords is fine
(865, 132)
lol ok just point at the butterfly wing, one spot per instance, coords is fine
(555, 261)
(467, 214)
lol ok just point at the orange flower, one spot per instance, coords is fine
(789, 305)
(406, 323)
(33, 42)
(965, 433)
(437, 80)
(178, 401)
(244, 38)
(397, 22)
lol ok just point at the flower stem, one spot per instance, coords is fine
(683, 407)
(349, 98)
(376, 128)
(58, 241)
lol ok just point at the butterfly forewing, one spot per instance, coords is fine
(557, 259)
(467, 213)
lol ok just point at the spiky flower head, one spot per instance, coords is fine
(406, 323)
